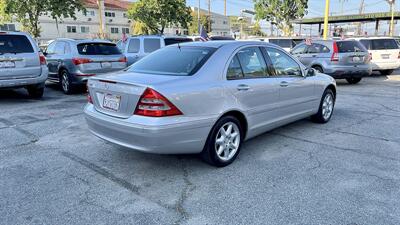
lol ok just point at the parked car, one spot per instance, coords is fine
(343, 59)
(137, 47)
(286, 43)
(72, 62)
(21, 63)
(384, 52)
(206, 97)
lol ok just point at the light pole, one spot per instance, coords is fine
(391, 29)
(326, 19)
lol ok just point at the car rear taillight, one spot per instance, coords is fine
(78, 61)
(335, 54)
(89, 98)
(42, 59)
(123, 59)
(370, 56)
(153, 104)
(398, 56)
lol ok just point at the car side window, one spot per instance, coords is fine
(59, 48)
(151, 44)
(234, 70)
(50, 48)
(134, 45)
(283, 64)
(252, 62)
(299, 49)
(313, 48)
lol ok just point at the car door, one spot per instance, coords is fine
(296, 92)
(299, 52)
(54, 54)
(310, 54)
(255, 91)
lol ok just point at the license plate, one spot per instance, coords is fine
(7, 64)
(356, 59)
(106, 64)
(111, 102)
(385, 56)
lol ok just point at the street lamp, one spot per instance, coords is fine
(391, 29)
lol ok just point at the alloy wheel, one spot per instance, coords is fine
(327, 106)
(65, 82)
(227, 141)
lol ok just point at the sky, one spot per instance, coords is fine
(316, 7)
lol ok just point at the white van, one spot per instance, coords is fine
(137, 47)
(384, 53)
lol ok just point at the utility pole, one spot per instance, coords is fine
(100, 4)
(391, 28)
(360, 11)
(326, 19)
(224, 7)
(198, 18)
(209, 16)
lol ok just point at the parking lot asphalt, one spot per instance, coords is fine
(53, 171)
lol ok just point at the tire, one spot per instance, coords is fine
(318, 69)
(386, 72)
(65, 82)
(221, 151)
(353, 80)
(322, 115)
(36, 91)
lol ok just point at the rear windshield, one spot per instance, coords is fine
(171, 41)
(98, 49)
(350, 46)
(173, 61)
(284, 43)
(15, 44)
(380, 44)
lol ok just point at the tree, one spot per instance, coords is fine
(140, 28)
(204, 21)
(27, 12)
(256, 29)
(157, 14)
(281, 12)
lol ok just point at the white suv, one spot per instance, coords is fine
(384, 53)
(21, 63)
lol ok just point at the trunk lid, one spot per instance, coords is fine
(102, 64)
(352, 53)
(118, 94)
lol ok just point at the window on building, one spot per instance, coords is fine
(109, 14)
(84, 29)
(89, 13)
(125, 30)
(7, 27)
(71, 29)
(125, 15)
(225, 22)
(114, 30)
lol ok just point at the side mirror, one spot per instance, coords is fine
(310, 72)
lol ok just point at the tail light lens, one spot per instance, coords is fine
(89, 98)
(42, 59)
(123, 59)
(153, 104)
(398, 56)
(78, 61)
(370, 56)
(335, 54)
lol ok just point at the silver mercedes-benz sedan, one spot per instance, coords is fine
(207, 98)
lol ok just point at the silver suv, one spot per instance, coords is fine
(341, 59)
(72, 62)
(21, 63)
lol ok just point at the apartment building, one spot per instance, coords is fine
(220, 24)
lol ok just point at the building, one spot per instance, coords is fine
(220, 24)
(111, 16)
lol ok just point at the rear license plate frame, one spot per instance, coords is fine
(7, 64)
(111, 102)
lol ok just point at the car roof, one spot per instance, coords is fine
(80, 41)
(14, 33)
(218, 44)
(373, 38)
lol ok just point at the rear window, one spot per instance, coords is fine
(350, 46)
(134, 46)
(171, 41)
(284, 43)
(380, 44)
(98, 49)
(15, 44)
(174, 61)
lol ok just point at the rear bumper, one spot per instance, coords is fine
(342, 72)
(82, 78)
(173, 138)
(23, 82)
(385, 66)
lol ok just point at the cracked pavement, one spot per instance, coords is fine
(53, 171)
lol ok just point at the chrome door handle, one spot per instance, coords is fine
(243, 87)
(284, 84)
